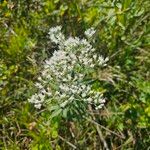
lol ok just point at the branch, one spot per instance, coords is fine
(70, 144)
(99, 131)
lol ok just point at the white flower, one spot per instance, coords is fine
(55, 35)
(63, 76)
(90, 32)
(89, 99)
(94, 56)
(99, 107)
(38, 106)
(83, 95)
(38, 85)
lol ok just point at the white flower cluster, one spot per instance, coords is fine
(62, 80)
(90, 32)
(55, 35)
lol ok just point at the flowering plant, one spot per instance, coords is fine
(63, 85)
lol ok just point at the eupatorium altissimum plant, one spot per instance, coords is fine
(63, 82)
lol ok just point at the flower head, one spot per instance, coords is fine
(63, 79)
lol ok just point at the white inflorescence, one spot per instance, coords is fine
(90, 32)
(63, 76)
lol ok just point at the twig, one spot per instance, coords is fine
(19, 130)
(73, 146)
(126, 143)
(99, 131)
(116, 53)
(11, 30)
(94, 122)
(4, 141)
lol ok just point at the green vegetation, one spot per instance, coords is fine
(122, 34)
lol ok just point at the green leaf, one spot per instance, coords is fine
(54, 134)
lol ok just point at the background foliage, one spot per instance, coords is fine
(122, 34)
